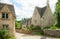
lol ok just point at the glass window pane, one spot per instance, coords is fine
(3, 15)
(6, 15)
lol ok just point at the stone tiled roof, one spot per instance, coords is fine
(1, 6)
(41, 10)
(11, 8)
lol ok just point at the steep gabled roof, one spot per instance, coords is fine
(11, 8)
(1, 6)
(41, 10)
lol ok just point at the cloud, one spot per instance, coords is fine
(32, 2)
(6, 1)
(52, 5)
(20, 13)
(25, 8)
(28, 7)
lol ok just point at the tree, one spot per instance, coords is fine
(18, 25)
(57, 13)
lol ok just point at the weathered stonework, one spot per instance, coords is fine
(42, 17)
(10, 21)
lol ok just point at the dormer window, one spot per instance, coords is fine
(4, 15)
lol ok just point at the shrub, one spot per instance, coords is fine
(5, 35)
(39, 33)
(32, 27)
(18, 25)
(47, 27)
(36, 28)
(51, 27)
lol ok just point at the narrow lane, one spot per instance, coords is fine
(24, 36)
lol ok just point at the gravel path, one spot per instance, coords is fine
(24, 36)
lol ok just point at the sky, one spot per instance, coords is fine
(25, 8)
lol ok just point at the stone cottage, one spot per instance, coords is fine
(7, 17)
(26, 23)
(42, 16)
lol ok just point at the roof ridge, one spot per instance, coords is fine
(41, 10)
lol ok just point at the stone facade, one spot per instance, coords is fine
(42, 17)
(36, 17)
(7, 17)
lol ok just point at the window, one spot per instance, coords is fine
(5, 27)
(4, 15)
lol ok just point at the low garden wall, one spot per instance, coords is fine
(55, 33)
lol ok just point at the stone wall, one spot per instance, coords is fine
(36, 18)
(10, 21)
(55, 33)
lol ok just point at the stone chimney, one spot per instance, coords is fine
(47, 2)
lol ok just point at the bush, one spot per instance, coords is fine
(32, 27)
(18, 25)
(51, 27)
(39, 33)
(5, 35)
(47, 27)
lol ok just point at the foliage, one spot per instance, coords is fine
(58, 38)
(5, 35)
(51, 27)
(36, 30)
(32, 27)
(18, 25)
(23, 20)
(57, 13)
(38, 33)
(46, 27)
